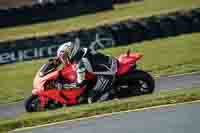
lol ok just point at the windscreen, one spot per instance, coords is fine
(47, 68)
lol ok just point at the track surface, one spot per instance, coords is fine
(177, 119)
(181, 81)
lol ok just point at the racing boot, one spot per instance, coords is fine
(101, 91)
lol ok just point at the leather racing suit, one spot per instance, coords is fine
(104, 67)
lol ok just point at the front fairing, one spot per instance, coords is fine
(68, 72)
(39, 81)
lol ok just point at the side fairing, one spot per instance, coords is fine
(38, 83)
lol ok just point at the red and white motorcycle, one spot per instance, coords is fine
(129, 82)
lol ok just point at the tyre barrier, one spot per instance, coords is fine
(104, 36)
(121, 1)
(125, 1)
(40, 12)
(153, 28)
(51, 11)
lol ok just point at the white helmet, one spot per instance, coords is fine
(68, 50)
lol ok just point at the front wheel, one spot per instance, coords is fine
(32, 104)
(135, 83)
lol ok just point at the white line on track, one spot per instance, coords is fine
(184, 74)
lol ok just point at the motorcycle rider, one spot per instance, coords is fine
(88, 60)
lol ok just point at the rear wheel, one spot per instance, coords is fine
(135, 83)
(32, 104)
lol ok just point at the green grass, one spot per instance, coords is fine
(174, 55)
(161, 98)
(134, 10)
(168, 56)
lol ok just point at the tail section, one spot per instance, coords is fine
(127, 60)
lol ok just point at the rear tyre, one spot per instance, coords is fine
(135, 83)
(32, 104)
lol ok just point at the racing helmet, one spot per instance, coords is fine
(68, 50)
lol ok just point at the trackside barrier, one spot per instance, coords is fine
(104, 36)
(51, 11)
(40, 12)
(125, 1)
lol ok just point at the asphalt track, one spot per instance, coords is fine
(183, 118)
(172, 82)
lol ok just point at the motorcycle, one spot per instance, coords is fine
(129, 81)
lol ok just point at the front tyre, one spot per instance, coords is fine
(32, 104)
(136, 83)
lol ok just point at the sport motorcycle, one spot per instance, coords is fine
(46, 93)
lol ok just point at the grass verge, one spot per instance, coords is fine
(161, 98)
(168, 56)
(121, 12)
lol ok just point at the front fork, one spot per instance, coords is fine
(43, 101)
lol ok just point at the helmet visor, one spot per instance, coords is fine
(64, 56)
